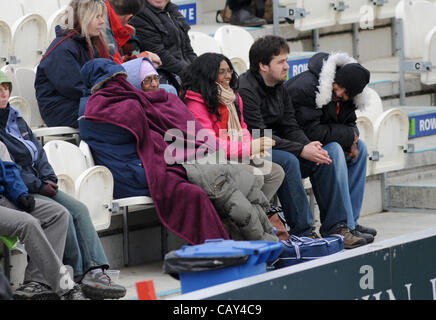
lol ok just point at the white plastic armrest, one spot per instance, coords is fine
(52, 131)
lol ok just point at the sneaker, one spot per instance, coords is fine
(34, 291)
(368, 237)
(350, 241)
(98, 285)
(74, 294)
(368, 230)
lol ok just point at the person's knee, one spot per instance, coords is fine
(335, 151)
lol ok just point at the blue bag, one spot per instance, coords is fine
(301, 249)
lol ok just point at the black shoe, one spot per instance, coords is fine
(35, 291)
(363, 229)
(244, 18)
(368, 237)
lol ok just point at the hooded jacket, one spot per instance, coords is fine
(165, 32)
(58, 83)
(142, 120)
(270, 108)
(321, 118)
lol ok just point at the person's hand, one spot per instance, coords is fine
(50, 189)
(315, 153)
(354, 151)
(260, 145)
(152, 56)
(26, 202)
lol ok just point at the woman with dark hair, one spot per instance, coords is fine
(209, 91)
(58, 84)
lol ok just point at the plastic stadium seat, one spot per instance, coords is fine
(56, 18)
(70, 164)
(23, 106)
(5, 43)
(366, 133)
(320, 14)
(387, 10)
(202, 43)
(429, 78)
(353, 11)
(44, 8)
(29, 40)
(11, 12)
(235, 43)
(374, 107)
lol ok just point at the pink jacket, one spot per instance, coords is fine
(234, 149)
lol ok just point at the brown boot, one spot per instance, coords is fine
(350, 241)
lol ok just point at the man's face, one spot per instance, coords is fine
(339, 93)
(277, 70)
(4, 95)
(161, 4)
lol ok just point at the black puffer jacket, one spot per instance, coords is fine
(165, 32)
(316, 113)
(271, 108)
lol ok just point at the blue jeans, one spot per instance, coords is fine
(83, 248)
(338, 189)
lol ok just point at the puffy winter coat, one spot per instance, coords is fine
(270, 108)
(58, 83)
(311, 92)
(165, 32)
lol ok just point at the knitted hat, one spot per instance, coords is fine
(146, 69)
(352, 77)
(5, 79)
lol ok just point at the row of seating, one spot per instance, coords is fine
(24, 37)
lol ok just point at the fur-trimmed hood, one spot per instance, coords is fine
(324, 66)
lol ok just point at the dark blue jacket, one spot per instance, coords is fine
(112, 146)
(11, 185)
(58, 83)
(34, 172)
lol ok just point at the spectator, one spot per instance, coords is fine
(58, 84)
(41, 226)
(162, 29)
(241, 14)
(123, 45)
(209, 91)
(325, 98)
(83, 250)
(267, 105)
(180, 190)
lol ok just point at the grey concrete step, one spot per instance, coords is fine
(414, 194)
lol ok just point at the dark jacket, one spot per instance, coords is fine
(34, 172)
(58, 83)
(270, 108)
(165, 32)
(321, 118)
(11, 185)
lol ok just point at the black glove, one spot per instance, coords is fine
(26, 202)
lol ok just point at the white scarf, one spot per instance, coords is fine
(227, 97)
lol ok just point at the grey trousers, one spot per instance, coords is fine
(43, 233)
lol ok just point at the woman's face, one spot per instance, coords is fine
(150, 83)
(96, 25)
(4, 95)
(224, 74)
(161, 4)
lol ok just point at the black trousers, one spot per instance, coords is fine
(238, 4)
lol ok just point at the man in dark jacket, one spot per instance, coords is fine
(325, 98)
(267, 105)
(163, 30)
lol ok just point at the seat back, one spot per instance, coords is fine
(235, 43)
(202, 43)
(56, 18)
(65, 158)
(387, 10)
(23, 106)
(5, 42)
(86, 150)
(320, 14)
(29, 40)
(374, 106)
(418, 19)
(25, 78)
(429, 78)
(44, 8)
(354, 11)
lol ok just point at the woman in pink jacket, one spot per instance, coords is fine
(209, 91)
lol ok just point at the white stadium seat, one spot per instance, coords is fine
(366, 133)
(44, 8)
(23, 106)
(320, 14)
(430, 56)
(29, 40)
(387, 10)
(57, 18)
(202, 43)
(235, 43)
(5, 43)
(353, 11)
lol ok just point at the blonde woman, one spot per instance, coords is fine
(58, 84)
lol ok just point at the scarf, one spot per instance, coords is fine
(227, 98)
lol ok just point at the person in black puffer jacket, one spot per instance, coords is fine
(162, 29)
(325, 98)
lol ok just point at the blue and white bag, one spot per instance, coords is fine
(301, 249)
